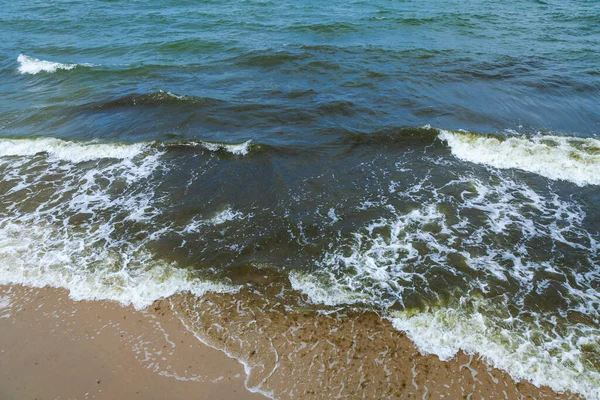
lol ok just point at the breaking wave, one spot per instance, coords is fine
(76, 152)
(555, 157)
(552, 356)
(473, 262)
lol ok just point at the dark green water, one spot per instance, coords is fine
(434, 160)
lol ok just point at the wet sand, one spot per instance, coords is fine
(53, 347)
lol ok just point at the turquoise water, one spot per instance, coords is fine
(433, 160)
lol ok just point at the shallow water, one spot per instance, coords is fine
(436, 162)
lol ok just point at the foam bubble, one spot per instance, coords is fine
(33, 66)
(559, 158)
(5, 307)
(4, 302)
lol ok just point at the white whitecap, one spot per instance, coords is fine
(570, 159)
(31, 65)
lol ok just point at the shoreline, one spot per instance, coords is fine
(220, 345)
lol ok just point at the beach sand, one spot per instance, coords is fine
(56, 348)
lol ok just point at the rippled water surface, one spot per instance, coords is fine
(436, 161)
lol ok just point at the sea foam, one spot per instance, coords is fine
(570, 159)
(237, 149)
(224, 216)
(29, 256)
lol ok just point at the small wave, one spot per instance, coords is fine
(555, 157)
(239, 149)
(401, 136)
(33, 66)
(75, 152)
(161, 97)
(326, 28)
(268, 58)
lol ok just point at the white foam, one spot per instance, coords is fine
(319, 291)
(331, 214)
(33, 66)
(226, 215)
(238, 149)
(5, 307)
(367, 272)
(172, 95)
(75, 152)
(555, 157)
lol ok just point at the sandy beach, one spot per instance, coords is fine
(56, 348)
